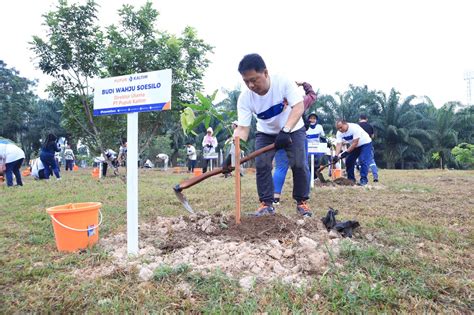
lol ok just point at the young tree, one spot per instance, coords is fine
(77, 51)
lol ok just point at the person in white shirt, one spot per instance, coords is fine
(164, 157)
(192, 156)
(11, 158)
(360, 146)
(37, 169)
(278, 107)
(69, 158)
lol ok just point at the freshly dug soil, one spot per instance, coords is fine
(291, 249)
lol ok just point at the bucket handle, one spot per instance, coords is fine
(78, 230)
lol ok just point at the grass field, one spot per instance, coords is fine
(414, 252)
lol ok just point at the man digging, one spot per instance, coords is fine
(360, 146)
(276, 123)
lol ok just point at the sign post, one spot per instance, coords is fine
(131, 94)
(132, 183)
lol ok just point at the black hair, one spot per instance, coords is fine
(51, 137)
(363, 116)
(313, 114)
(252, 62)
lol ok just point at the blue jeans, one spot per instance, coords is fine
(69, 164)
(365, 154)
(50, 165)
(13, 168)
(281, 168)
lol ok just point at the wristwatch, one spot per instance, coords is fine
(286, 130)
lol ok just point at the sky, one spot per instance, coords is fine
(418, 47)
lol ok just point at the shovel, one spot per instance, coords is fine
(321, 168)
(178, 189)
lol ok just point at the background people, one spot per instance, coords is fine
(165, 158)
(281, 160)
(69, 158)
(48, 150)
(37, 169)
(11, 158)
(364, 123)
(209, 144)
(192, 156)
(360, 146)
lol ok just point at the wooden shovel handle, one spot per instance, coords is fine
(218, 170)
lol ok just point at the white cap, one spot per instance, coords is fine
(210, 130)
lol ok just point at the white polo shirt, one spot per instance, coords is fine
(11, 152)
(269, 109)
(314, 133)
(353, 132)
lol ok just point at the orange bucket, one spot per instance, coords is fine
(95, 172)
(336, 173)
(197, 171)
(76, 225)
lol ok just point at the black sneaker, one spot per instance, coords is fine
(376, 180)
(276, 201)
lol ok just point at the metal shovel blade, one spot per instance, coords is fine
(183, 200)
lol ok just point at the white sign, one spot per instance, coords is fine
(142, 92)
(318, 148)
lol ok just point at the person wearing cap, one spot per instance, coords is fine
(315, 134)
(360, 147)
(11, 158)
(278, 107)
(364, 123)
(192, 156)
(209, 144)
(281, 160)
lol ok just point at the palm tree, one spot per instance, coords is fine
(397, 129)
(444, 135)
(348, 106)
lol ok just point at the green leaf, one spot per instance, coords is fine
(206, 103)
(207, 121)
(195, 107)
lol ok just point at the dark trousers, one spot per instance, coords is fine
(365, 153)
(13, 168)
(50, 165)
(191, 165)
(205, 164)
(297, 161)
(69, 165)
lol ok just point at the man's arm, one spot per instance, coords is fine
(295, 115)
(242, 132)
(338, 148)
(354, 144)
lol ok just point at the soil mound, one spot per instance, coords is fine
(265, 248)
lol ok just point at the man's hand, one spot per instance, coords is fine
(282, 140)
(343, 155)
